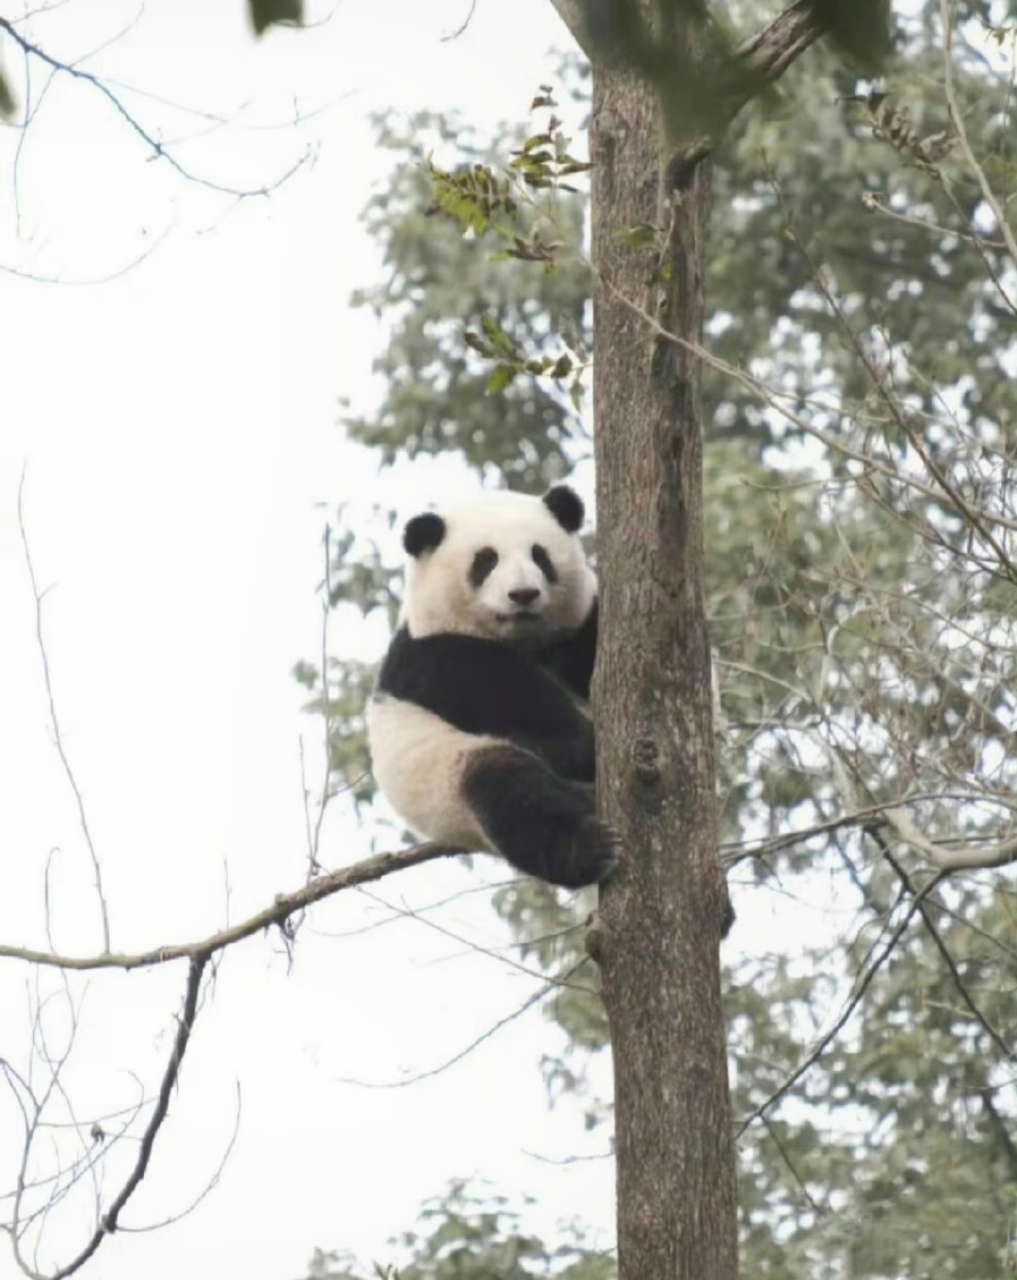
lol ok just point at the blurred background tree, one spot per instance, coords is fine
(863, 596)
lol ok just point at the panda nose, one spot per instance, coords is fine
(524, 595)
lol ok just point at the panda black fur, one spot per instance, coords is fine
(480, 729)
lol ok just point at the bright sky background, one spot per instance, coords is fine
(178, 427)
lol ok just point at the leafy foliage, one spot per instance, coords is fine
(466, 1235)
(437, 285)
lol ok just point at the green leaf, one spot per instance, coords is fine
(538, 159)
(8, 103)
(501, 378)
(263, 13)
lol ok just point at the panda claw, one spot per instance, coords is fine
(591, 855)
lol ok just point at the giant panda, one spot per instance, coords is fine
(479, 726)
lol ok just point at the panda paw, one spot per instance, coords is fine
(589, 855)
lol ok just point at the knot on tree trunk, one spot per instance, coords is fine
(646, 761)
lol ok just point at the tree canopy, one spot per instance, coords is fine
(859, 450)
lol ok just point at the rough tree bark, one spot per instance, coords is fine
(661, 916)
(660, 924)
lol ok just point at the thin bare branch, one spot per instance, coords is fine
(206, 1190)
(851, 1004)
(944, 951)
(475, 948)
(733, 853)
(528, 1003)
(454, 35)
(963, 857)
(779, 402)
(157, 148)
(785, 1155)
(946, 9)
(285, 905)
(108, 1222)
(55, 722)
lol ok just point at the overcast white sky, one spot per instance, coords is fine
(178, 426)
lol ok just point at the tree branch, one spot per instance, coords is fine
(562, 980)
(851, 1004)
(765, 55)
(285, 905)
(108, 1221)
(965, 857)
(943, 950)
(157, 148)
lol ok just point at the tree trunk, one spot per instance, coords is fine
(661, 917)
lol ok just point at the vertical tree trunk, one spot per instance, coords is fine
(660, 922)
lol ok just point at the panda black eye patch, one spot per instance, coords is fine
(544, 562)
(483, 562)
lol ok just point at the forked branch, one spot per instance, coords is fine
(155, 146)
(763, 57)
(108, 1221)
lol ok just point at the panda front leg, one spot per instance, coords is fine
(541, 823)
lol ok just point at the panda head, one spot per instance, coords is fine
(507, 567)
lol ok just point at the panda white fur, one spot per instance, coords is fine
(479, 727)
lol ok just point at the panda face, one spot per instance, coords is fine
(508, 567)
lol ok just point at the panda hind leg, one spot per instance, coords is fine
(542, 824)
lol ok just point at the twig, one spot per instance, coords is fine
(528, 1003)
(733, 853)
(55, 721)
(108, 1223)
(966, 857)
(779, 402)
(1002, 1128)
(849, 1008)
(326, 714)
(209, 1186)
(454, 35)
(956, 120)
(943, 950)
(157, 148)
(771, 1129)
(408, 913)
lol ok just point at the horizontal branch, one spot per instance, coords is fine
(284, 906)
(961, 858)
(886, 815)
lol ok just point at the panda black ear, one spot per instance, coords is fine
(423, 533)
(566, 506)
